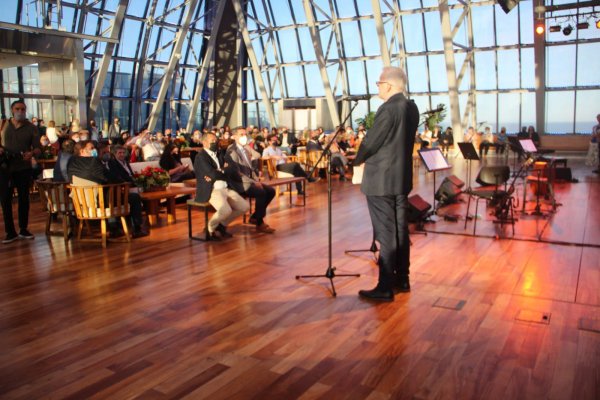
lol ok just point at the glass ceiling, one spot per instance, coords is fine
(493, 52)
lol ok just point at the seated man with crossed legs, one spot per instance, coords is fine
(242, 176)
(211, 186)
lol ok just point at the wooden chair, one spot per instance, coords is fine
(100, 202)
(206, 207)
(313, 157)
(56, 195)
(273, 173)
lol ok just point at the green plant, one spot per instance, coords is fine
(367, 120)
(434, 118)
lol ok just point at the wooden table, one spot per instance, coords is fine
(47, 163)
(152, 202)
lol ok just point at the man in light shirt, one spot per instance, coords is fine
(282, 164)
(211, 186)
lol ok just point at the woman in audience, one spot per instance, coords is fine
(170, 161)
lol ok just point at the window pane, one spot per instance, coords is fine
(508, 111)
(508, 69)
(485, 70)
(559, 111)
(587, 109)
(417, 76)
(560, 66)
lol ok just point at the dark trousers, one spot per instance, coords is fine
(295, 169)
(135, 211)
(390, 225)
(262, 196)
(8, 181)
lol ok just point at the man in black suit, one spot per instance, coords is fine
(211, 186)
(86, 165)
(242, 176)
(387, 181)
(119, 166)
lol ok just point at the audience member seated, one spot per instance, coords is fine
(242, 176)
(533, 135)
(338, 156)
(283, 165)
(501, 141)
(170, 161)
(60, 168)
(153, 148)
(211, 186)
(487, 140)
(288, 141)
(426, 138)
(314, 144)
(523, 134)
(469, 136)
(85, 165)
(447, 139)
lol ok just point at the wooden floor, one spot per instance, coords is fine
(165, 317)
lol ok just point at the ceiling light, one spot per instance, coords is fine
(583, 25)
(539, 28)
(567, 30)
(555, 28)
(598, 23)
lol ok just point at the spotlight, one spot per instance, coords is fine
(567, 30)
(539, 28)
(555, 28)
(598, 23)
(583, 25)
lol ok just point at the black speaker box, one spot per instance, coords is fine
(449, 190)
(417, 208)
(559, 174)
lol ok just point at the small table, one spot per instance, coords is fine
(47, 163)
(152, 201)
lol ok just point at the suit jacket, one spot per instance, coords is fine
(89, 168)
(204, 165)
(119, 172)
(313, 145)
(239, 175)
(387, 149)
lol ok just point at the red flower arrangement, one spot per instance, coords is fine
(151, 178)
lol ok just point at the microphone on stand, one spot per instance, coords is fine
(357, 98)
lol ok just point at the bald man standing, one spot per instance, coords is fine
(386, 152)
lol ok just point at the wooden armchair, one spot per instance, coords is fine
(100, 202)
(313, 157)
(56, 195)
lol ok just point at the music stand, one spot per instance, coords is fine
(434, 161)
(528, 146)
(469, 153)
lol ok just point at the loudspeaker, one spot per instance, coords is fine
(449, 190)
(558, 174)
(508, 5)
(417, 208)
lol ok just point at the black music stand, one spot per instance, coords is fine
(434, 161)
(469, 153)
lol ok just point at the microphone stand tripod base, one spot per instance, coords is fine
(329, 274)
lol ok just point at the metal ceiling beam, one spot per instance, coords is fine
(115, 31)
(254, 62)
(203, 70)
(173, 61)
(316, 39)
(46, 31)
(447, 39)
(385, 53)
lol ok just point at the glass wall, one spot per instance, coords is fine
(502, 77)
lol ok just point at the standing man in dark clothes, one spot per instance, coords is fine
(19, 143)
(387, 181)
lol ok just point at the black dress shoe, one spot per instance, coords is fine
(139, 233)
(313, 180)
(214, 237)
(223, 231)
(253, 221)
(377, 294)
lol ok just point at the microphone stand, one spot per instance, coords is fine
(330, 272)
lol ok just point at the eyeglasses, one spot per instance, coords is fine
(380, 82)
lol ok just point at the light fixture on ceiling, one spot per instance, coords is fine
(540, 27)
(555, 28)
(567, 30)
(598, 23)
(583, 25)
